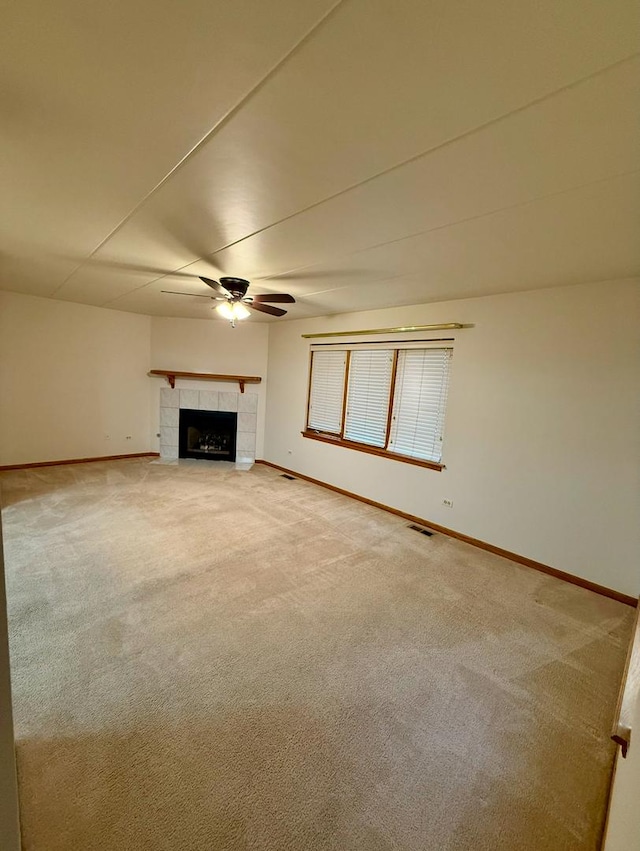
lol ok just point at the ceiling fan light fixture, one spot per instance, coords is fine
(232, 293)
(240, 311)
(232, 310)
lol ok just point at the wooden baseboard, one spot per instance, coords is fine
(483, 545)
(78, 461)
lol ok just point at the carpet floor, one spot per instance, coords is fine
(213, 660)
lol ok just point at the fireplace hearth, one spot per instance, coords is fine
(207, 434)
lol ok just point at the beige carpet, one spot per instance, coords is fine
(207, 659)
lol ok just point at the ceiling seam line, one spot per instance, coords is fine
(437, 299)
(412, 159)
(411, 235)
(416, 157)
(463, 221)
(208, 135)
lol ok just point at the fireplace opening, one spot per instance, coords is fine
(207, 434)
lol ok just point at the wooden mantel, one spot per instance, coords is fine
(172, 374)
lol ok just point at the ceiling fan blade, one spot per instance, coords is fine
(215, 285)
(193, 295)
(282, 298)
(266, 308)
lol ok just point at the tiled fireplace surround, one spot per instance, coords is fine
(246, 405)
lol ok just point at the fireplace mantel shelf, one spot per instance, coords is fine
(172, 374)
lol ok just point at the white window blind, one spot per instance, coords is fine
(368, 396)
(420, 398)
(327, 390)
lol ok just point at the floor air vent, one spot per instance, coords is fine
(287, 476)
(421, 530)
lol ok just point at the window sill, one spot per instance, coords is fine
(371, 450)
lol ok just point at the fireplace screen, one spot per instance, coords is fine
(208, 434)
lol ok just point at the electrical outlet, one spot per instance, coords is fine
(448, 503)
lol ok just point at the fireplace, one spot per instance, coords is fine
(207, 434)
(174, 401)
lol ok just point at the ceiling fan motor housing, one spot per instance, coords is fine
(236, 286)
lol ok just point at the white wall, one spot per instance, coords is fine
(69, 376)
(623, 829)
(203, 345)
(542, 434)
(543, 425)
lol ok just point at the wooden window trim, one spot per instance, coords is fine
(309, 389)
(391, 400)
(336, 440)
(345, 393)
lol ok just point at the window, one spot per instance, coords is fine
(326, 391)
(386, 401)
(368, 397)
(422, 384)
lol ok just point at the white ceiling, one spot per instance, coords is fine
(358, 154)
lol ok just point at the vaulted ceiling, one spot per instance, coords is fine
(355, 154)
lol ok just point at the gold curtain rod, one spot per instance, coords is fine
(445, 326)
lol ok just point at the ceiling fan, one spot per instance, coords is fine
(235, 301)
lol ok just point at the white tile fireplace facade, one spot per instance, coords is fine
(245, 404)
